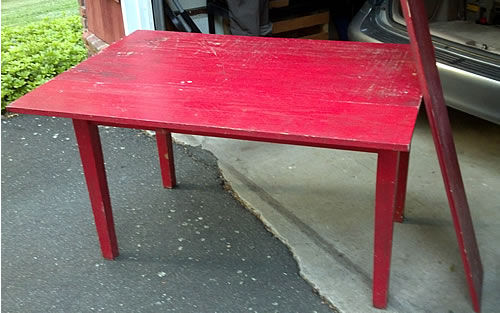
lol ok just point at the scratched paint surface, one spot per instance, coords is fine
(309, 92)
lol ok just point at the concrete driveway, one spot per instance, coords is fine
(319, 202)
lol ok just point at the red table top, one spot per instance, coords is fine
(320, 93)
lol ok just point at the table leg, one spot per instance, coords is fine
(166, 154)
(89, 144)
(404, 158)
(387, 176)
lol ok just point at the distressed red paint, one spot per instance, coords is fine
(358, 95)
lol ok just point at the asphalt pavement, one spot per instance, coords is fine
(191, 249)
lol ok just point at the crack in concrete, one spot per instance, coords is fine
(326, 246)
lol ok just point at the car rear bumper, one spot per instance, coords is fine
(469, 85)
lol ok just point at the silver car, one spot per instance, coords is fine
(466, 36)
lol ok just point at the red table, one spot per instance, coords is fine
(341, 95)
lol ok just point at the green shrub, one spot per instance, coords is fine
(33, 54)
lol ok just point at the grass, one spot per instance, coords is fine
(40, 39)
(22, 12)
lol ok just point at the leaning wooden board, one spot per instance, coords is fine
(418, 29)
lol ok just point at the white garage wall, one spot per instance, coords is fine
(137, 14)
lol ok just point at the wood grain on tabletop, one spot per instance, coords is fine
(284, 90)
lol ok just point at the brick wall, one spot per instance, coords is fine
(93, 43)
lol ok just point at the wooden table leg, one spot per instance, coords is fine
(166, 154)
(89, 144)
(401, 190)
(387, 177)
